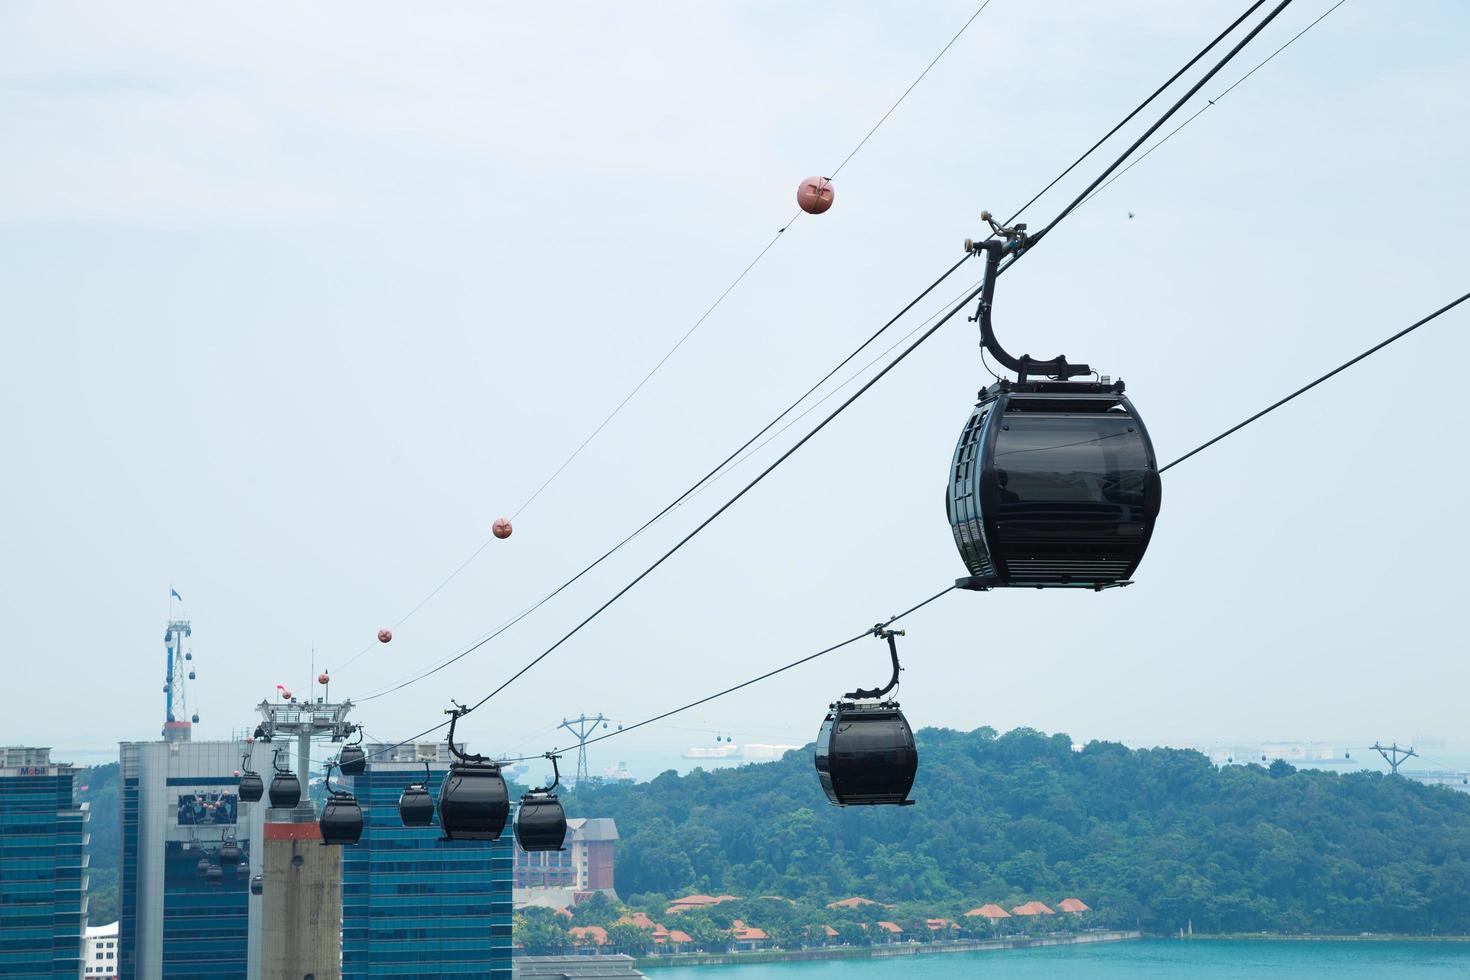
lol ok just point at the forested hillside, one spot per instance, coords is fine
(98, 786)
(1156, 836)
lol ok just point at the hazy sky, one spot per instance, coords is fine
(294, 303)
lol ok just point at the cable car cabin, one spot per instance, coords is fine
(229, 853)
(866, 754)
(214, 876)
(541, 823)
(473, 802)
(341, 819)
(352, 761)
(252, 787)
(1053, 484)
(285, 790)
(257, 885)
(415, 806)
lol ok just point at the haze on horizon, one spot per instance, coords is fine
(295, 306)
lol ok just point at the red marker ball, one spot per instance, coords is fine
(814, 195)
(324, 679)
(384, 636)
(501, 528)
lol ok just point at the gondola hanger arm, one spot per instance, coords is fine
(877, 692)
(1013, 241)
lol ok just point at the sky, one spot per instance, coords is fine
(295, 302)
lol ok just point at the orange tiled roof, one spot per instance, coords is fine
(697, 900)
(831, 933)
(851, 903)
(1074, 905)
(676, 936)
(596, 933)
(990, 911)
(940, 924)
(746, 933)
(639, 919)
(564, 912)
(1032, 908)
(889, 927)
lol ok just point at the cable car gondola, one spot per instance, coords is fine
(257, 885)
(251, 787)
(352, 760)
(473, 801)
(285, 788)
(214, 876)
(541, 823)
(415, 805)
(229, 851)
(341, 819)
(865, 750)
(1054, 482)
(202, 868)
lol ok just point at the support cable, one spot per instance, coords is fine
(868, 385)
(695, 326)
(1309, 386)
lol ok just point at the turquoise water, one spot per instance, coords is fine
(1236, 960)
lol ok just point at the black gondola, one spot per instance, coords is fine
(1053, 483)
(473, 801)
(865, 750)
(352, 760)
(251, 787)
(415, 805)
(202, 868)
(341, 819)
(229, 852)
(214, 876)
(541, 823)
(257, 885)
(285, 788)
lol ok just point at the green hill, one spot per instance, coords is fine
(1159, 837)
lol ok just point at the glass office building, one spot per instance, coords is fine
(185, 912)
(43, 868)
(413, 905)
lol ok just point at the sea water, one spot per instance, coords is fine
(1209, 959)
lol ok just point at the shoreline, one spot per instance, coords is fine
(880, 952)
(1277, 937)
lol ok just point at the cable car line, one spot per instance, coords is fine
(716, 472)
(1015, 246)
(688, 333)
(1209, 104)
(757, 679)
(1140, 107)
(1193, 89)
(1309, 386)
(707, 477)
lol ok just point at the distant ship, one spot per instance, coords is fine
(749, 752)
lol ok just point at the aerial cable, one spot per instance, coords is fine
(690, 332)
(1140, 107)
(683, 496)
(1308, 387)
(1193, 89)
(623, 730)
(1028, 243)
(1209, 104)
(717, 473)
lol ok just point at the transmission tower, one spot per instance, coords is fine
(1394, 755)
(582, 728)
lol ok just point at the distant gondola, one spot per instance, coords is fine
(541, 823)
(415, 805)
(352, 760)
(1053, 483)
(285, 790)
(341, 819)
(473, 801)
(865, 752)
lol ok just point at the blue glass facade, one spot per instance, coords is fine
(205, 927)
(43, 874)
(414, 906)
(127, 924)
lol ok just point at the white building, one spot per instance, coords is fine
(100, 953)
